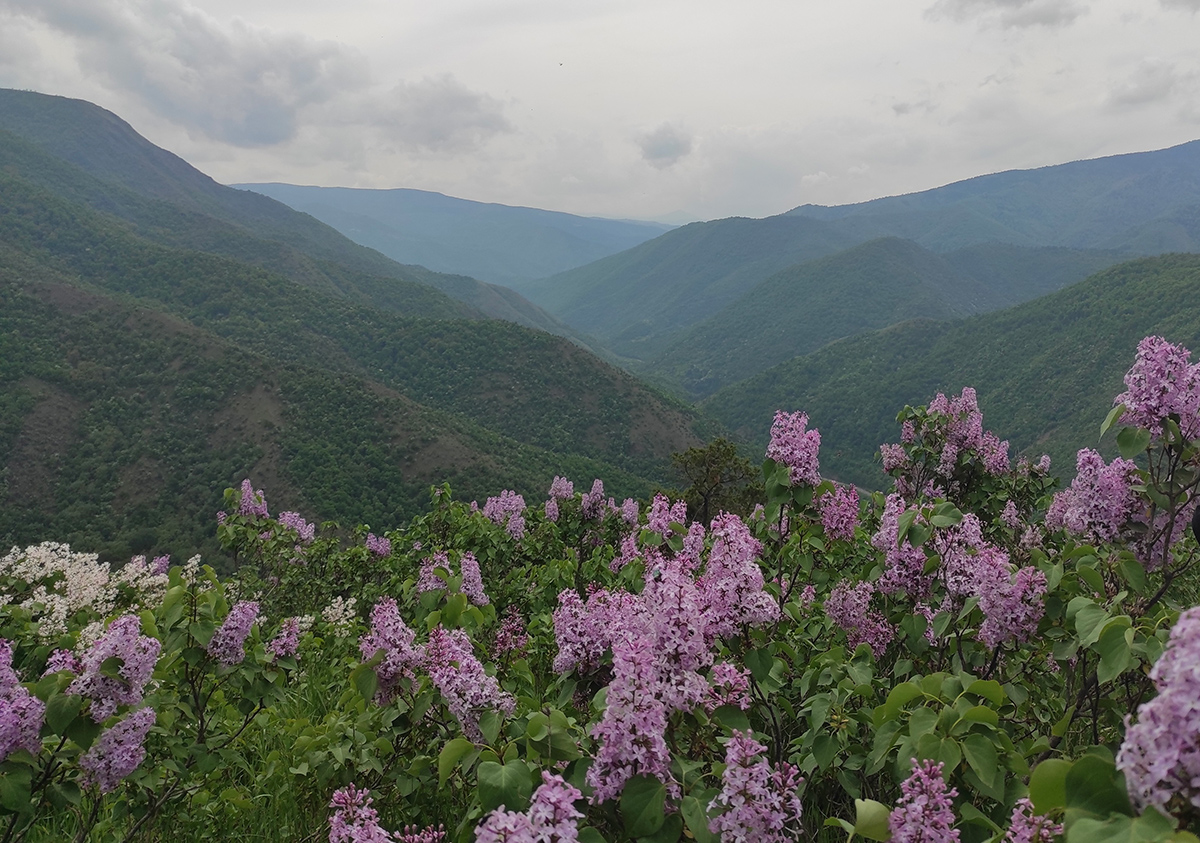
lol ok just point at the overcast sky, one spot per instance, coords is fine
(627, 108)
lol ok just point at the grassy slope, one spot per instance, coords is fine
(1046, 371)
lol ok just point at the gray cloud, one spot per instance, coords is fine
(249, 86)
(664, 146)
(437, 113)
(1193, 5)
(1151, 81)
(1009, 14)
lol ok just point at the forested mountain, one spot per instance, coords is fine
(1045, 371)
(170, 201)
(498, 243)
(141, 373)
(992, 229)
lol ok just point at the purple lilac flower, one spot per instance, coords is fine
(552, 509)
(401, 659)
(1027, 827)
(551, 818)
(62, 660)
(118, 751)
(795, 447)
(253, 501)
(758, 803)
(427, 579)
(1100, 500)
(1161, 382)
(904, 565)
(507, 509)
(472, 580)
(413, 834)
(848, 606)
(354, 820)
(1160, 755)
(592, 503)
(161, 565)
(511, 636)
(924, 812)
(287, 642)
(379, 545)
(1010, 517)
(839, 512)
(894, 456)
(138, 654)
(466, 687)
(584, 631)
(628, 552)
(21, 713)
(1012, 604)
(629, 512)
(294, 521)
(228, 644)
(661, 515)
(562, 489)
(730, 685)
(732, 585)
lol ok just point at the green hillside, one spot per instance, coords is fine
(1045, 371)
(497, 243)
(804, 307)
(173, 203)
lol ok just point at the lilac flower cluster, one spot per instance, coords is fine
(253, 502)
(21, 713)
(732, 585)
(354, 820)
(562, 489)
(465, 685)
(758, 803)
(629, 512)
(1160, 755)
(592, 503)
(1162, 382)
(287, 642)
(552, 817)
(584, 631)
(663, 513)
(511, 636)
(795, 447)
(839, 512)
(413, 834)
(62, 660)
(1027, 827)
(730, 685)
(848, 606)
(379, 545)
(1011, 603)
(294, 521)
(401, 658)
(118, 751)
(138, 654)
(508, 509)
(228, 644)
(1100, 501)
(925, 811)
(904, 565)
(161, 565)
(468, 565)
(427, 579)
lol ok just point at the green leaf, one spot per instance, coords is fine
(760, 662)
(981, 755)
(981, 714)
(587, 834)
(1095, 789)
(61, 710)
(16, 790)
(1114, 647)
(1089, 619)
(642, 805)
(871, 819)
(671, 831)
(989, 689)
(507, 785)
(1151, 827)
(1131, 441)
(366, 681)
(825, 747)
(449, 757)
(1111, 418)
(1134, 574)
(1048, 785)
(732, 718)
(696, 819)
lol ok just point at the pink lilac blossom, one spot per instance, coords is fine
(227, 645)
(629, 512)
(732, 584)
(552, 509)
(379, 545)
(924, 813)
(628, 552)
(415, 834)
(795, 447)
(1161, 382)
(118, 751)
(592, 503)
(138, 654)
(808, 596)
(904, 565)
(294, 521)
(427, 579)
(894, 456)
(1153, 547)
(1100, 501)
(674, 618)
(757, 803)
(1160, 755)
(552, 817)
(1027, 827)
(959, 546)
(401, 658)
(662, 514)
(1012, 605)
(287, 642)
(730, 685)
(161, 565)
(1009, 517)
(585, 631)
(62, 660)
(562, 489)
(253, 502)
(464, 684)
(472, 580)
(507, 509)
(994, 453)
(839, 512)
(511, 636)
(848, 606)
(21, 713)
(693, 546)
(908, 432)
(354, 820)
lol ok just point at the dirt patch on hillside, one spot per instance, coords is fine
(46, 436)
(659, 434)
(256, 417)
(139, 483)
(71, 300)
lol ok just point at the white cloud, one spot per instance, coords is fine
(664, 146)
(1009, 14)
(1150, 81)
